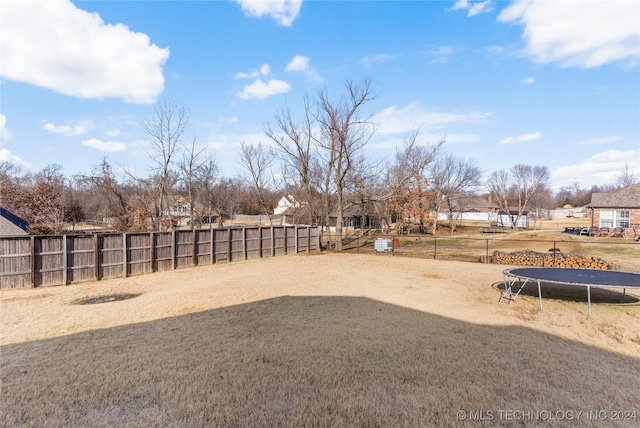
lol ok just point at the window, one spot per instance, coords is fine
(622, 218)
(615, 218)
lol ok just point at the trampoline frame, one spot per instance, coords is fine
(512, 276)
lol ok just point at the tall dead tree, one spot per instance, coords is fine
(294, 147)
(516, 188)
(453, 179)
(191, 167)
(344, 135)
(166, 125)
(257, 160)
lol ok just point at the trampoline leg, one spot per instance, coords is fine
(539, 295)
(589, 298)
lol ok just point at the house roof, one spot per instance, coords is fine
(629, 197)
(11, 224)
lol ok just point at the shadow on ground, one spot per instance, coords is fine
(575, 293)
(309, 361)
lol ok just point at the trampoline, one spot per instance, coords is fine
(575, 277)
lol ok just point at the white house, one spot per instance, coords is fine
(284, 204)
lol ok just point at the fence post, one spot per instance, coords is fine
(295, 246)
(212, 244)
(124, 254)
(33, 260)
(96, 257)
(194, 252)
(273, 242)
(64, 260)
(229, 245)
(487, 253)
(284, 237)
(174, 248)
(152, 251)
(244, 243)
(435, 247)
(308, 239)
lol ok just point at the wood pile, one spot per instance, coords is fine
(533, 258)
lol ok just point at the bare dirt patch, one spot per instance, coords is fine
(104, 299)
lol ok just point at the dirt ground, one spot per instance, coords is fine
(324, 339)
(457, 290)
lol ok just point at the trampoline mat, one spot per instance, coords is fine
(586, 277)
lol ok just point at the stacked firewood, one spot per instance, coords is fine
(533, 258)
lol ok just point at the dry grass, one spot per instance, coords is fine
(326, 340)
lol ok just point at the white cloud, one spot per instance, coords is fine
(473, 8)
(369, 61)
(521, 138)
(69, 130)
(264, 70)
(283, 11)
(5, 135)
(261, 90)
(602, 140)
(578, 33)
(7, 156)
(298, 63)
(394, 120)
(228, 119)
(104, 146)
(441, 54)
(55, 45)
(528, 80)
(600, 169)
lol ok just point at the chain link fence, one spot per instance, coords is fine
(616, 254)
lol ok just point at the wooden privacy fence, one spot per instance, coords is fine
(34, 261)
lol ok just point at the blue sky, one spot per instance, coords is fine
(504, 82)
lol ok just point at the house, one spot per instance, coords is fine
(179, 212)
(618, 209)
(508, 219)
(284, 204)
(472, 208)
(11, 224)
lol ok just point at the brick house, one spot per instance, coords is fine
(618, 209)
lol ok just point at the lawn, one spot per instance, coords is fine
(317, 340)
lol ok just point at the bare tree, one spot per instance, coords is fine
(626, 177)
(107, 198)
(453, 179)
(46, 201)
(257, 160)
(191, 167)
(206, 177)
(294, 147)
(405, 179)
(166, 125)
(517, 187)
(344, 135)
(225, 199)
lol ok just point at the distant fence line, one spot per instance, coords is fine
(35, 261)
(622, 255)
